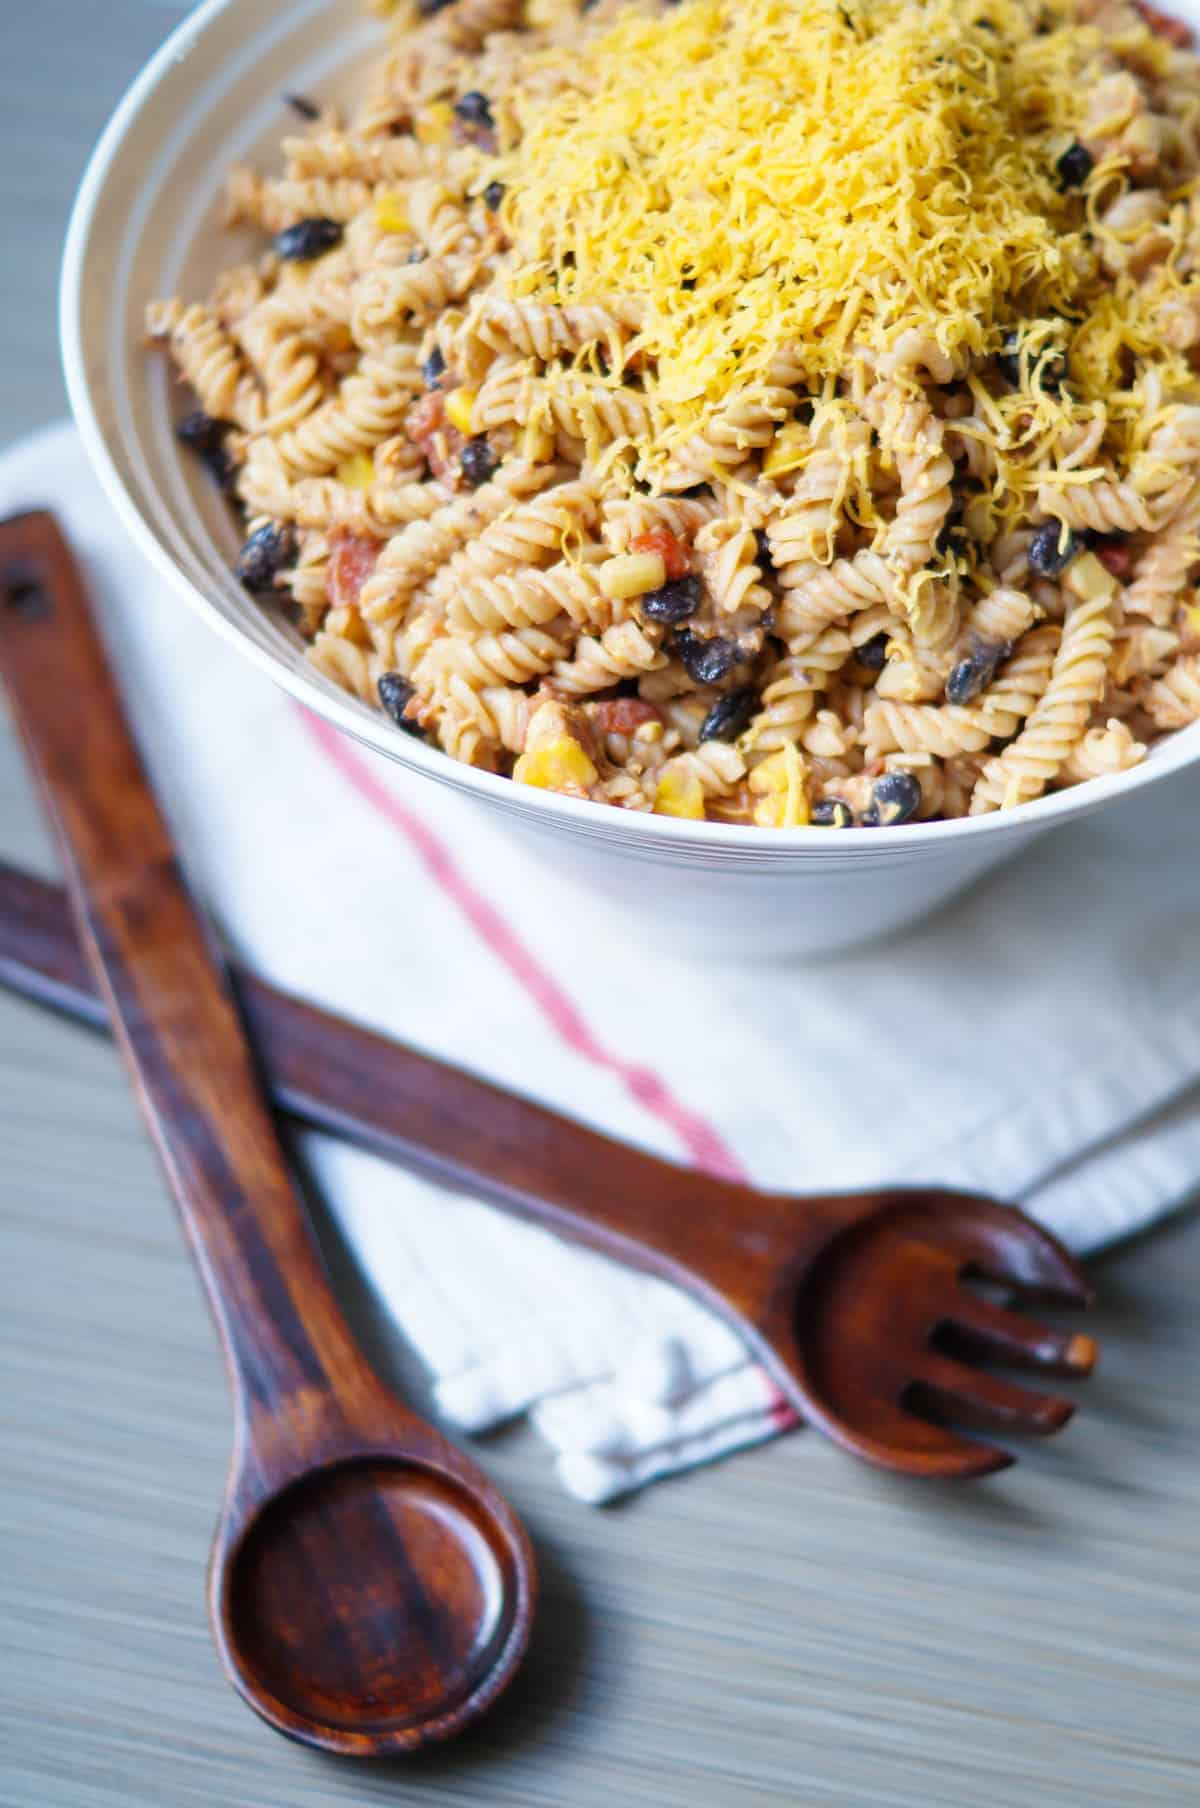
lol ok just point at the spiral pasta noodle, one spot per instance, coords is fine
(1058, 721)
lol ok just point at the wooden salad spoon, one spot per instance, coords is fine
(855, 1303)
(370, 1589)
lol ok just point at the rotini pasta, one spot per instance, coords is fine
(692, 445)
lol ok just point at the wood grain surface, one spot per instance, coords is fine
(788, 1630)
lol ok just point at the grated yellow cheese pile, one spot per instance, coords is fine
(770, 412)
(766, 172)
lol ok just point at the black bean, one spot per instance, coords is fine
(205, 436)
(1074, 166)
(433, 368)
(706, 661)
(478, 461)
(203, 433)
(493, 194)
(427, 8)
(1052, 549)
(729, 715)
(300, 103)
(894, 799)
(803, 411)
(832, 813)
(395, 693)
(675, 602)
(763, 549)
(268, 550)
(307, 239)
(973, 674)
(474, 109)
(873, 652)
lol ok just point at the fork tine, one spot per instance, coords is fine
(980, 1331)
(948, 1390)
(1029, 1259)
(1006, 1246)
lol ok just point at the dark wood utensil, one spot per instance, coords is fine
(855, 1303)
(370, 1589)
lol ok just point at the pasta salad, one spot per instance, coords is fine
(773, 412)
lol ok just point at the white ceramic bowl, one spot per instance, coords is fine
(145, 225)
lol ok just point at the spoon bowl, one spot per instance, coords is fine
(378, 1602)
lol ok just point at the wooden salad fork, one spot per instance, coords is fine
(370, 1588)
(860, 1306)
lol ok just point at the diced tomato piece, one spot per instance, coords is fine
(425, 417)
(1116, 558)
(1164, 25)
(677, 560)
(622, 715)
(353, 561)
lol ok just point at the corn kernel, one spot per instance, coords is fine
(459, 404)
(787, 452)
(433, 124)
(780, 784)
(391, 212)
(679, 793)
(1088, 580)
(1189, 622)
(357, 473)
(347, 624)
(561, 765)
(631, 574)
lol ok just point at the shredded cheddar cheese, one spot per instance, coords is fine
(774, 172)
(818, 385)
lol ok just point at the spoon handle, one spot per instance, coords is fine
(290, 1354)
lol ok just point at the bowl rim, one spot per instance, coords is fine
(371, 727)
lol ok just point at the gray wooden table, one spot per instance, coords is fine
(788, 1628)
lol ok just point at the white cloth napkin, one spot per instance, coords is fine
(1040, 1039)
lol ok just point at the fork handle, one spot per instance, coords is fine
(173, 1011)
